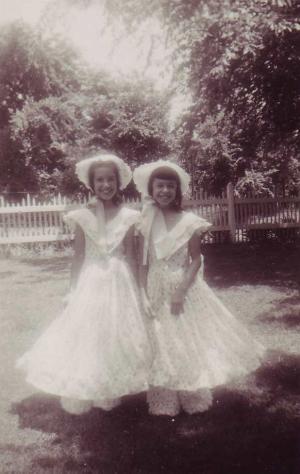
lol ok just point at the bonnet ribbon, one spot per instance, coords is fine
(97, 204)
(149, 211)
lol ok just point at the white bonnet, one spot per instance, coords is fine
(141, 175)
(83, 166)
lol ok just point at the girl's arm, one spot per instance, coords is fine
(78, 258)
(131, 251)
(189, 276)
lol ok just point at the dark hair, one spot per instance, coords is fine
(117, 198)
(167, 173)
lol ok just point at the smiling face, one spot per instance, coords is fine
(105, 182)
(164, 187)
(164, 191)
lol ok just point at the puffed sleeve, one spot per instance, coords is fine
(181, 234)
(190, 225)
(74, 218)
(128, 218)
(200, 225)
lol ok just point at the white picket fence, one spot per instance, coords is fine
(31, 222)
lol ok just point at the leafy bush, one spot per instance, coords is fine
(55, 111)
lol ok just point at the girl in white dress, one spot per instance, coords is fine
(198, 343)
(97, 350)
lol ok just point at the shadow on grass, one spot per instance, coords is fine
(227, 265)
(48, 269)
(254, 431)
(285, 313)
(281, 372)
(288, 320)
(7, 274)
(53, 264)
(289, 300)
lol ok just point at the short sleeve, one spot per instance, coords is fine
(201, 226)
(181, 234)
(128, 218)
(192, 224)
(74, 218)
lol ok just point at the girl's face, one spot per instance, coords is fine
(105, 182)
(164, 191)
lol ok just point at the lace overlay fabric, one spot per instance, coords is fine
(204, 347)
(94, 254)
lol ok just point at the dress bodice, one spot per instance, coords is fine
(169, 256)
(165, 274)
(94, 252)
(172, 245)
(177, 261)
(102, 240)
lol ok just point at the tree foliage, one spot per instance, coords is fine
(53, 133)
(31, 69)
(246, 67)
(242, 69)
(239, 61)
(55, 111)
(32, 66)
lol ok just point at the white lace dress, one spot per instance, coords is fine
(206, 345)
(98, 348)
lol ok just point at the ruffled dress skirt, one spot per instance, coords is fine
(97, 350)
(202, 348)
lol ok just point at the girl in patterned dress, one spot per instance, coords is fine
(198, 343)
(97, 350)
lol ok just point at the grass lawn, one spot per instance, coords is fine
(252, 428)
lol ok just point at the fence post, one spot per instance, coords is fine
(231, 213)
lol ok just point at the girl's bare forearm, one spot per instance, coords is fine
(189, 275)
(130, 251)
(79, 253)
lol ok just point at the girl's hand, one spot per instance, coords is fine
(177, 302)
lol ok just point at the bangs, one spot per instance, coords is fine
(165, 173)
(103, 164)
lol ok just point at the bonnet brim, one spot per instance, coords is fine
(142, 174)
(83, 166)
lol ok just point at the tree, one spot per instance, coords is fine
(31, 69)
(243, 61)
(55, 110)
(239, 62)
(35, 67)
(53, 133)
